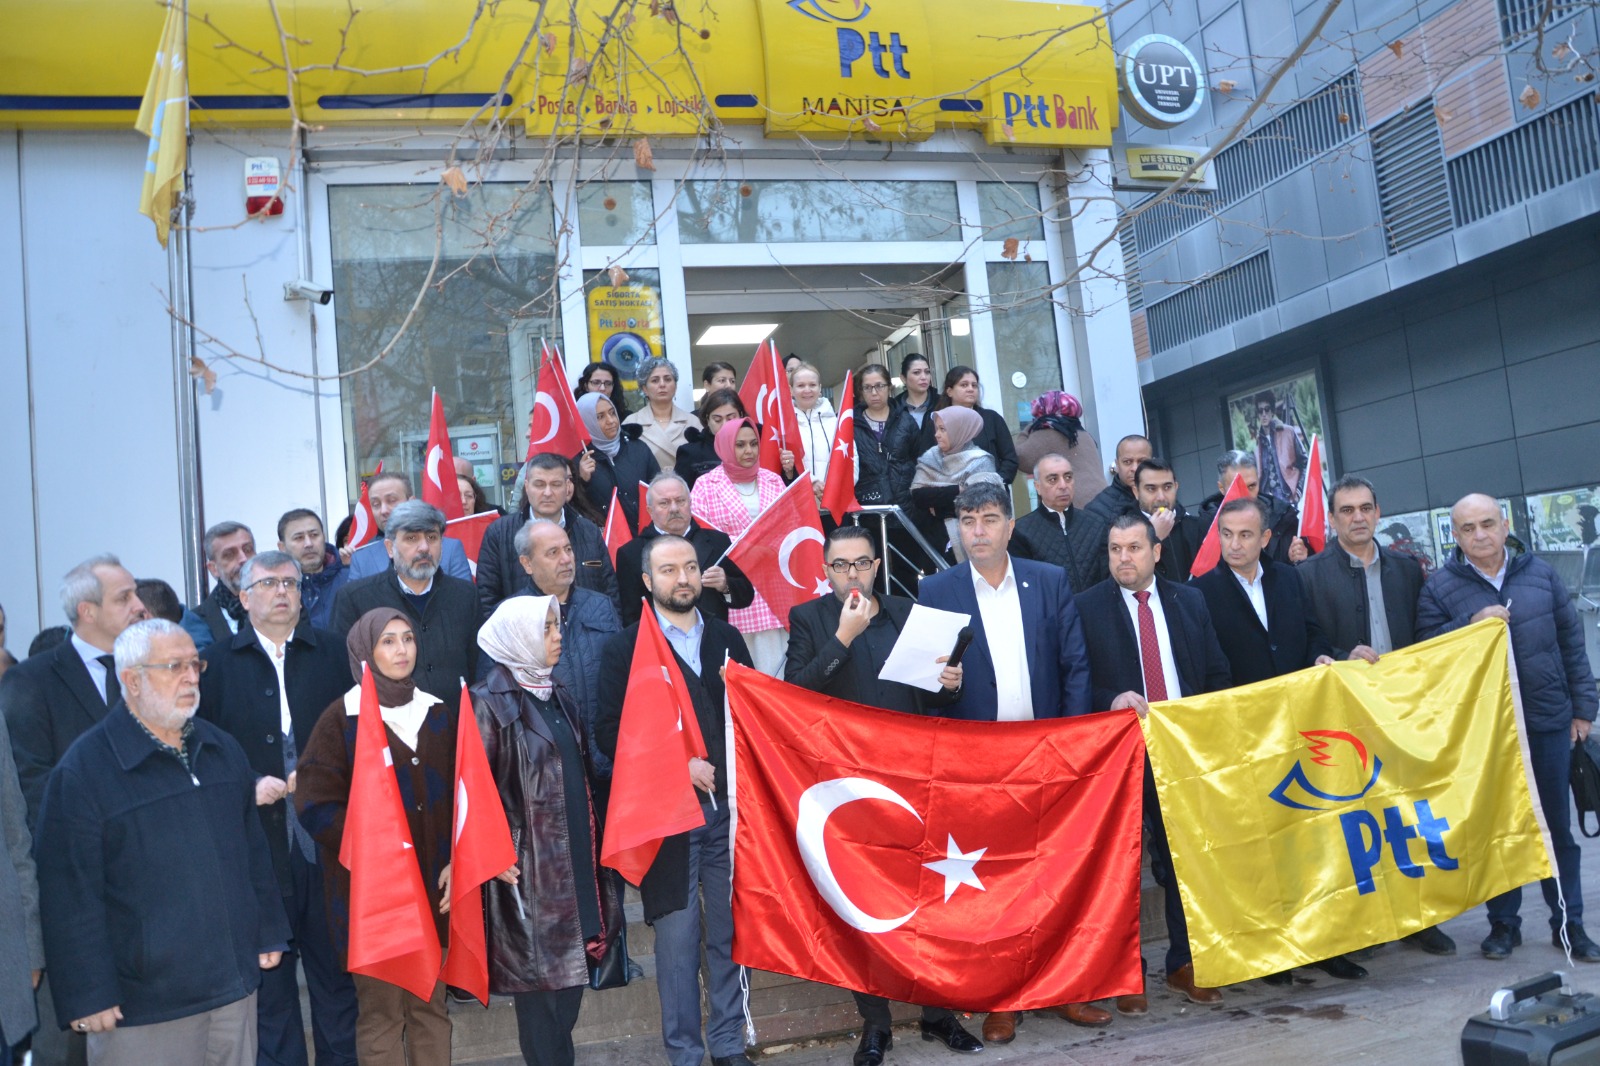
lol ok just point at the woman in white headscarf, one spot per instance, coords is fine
(617, 459)
(561, 913)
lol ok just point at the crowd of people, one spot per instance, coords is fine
(174, 781)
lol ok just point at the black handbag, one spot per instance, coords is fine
(615, 969)
(1586, 783)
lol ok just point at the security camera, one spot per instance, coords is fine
(306, 290)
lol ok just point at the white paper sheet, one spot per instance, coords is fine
(928, 634)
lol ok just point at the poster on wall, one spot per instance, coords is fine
(1276, 423)
(1565, 520)
(1410, 534)
(625, 326)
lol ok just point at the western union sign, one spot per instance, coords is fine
(1022, 72)
(1163, 162)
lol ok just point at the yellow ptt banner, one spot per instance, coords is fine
(1345, 805)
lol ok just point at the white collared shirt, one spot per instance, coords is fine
(91, 662)
(1001, 612)
(1499, 576)
(1169, 665)
(278, 656)
(1255, 591)
(405, 588)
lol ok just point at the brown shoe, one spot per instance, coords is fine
(1133, 1005)
(1000, 1027)
(1182, 983)
(1086, 1014)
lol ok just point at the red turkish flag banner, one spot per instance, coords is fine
(480, 849)
(781, 551)
(839, 492)
(438, 466)
(986, 866)
(616, 533)
(469, 531)
(644, 505)
(363, 526)
(555, 425)
(1314, 501)
(392, 935)
(767, 399)
(1210, 552)
(652, 797)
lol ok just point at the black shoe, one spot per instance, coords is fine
(731, 1060)
(950, 1033)
(1281, 979)
(1501, 939)
(874, 1042)
(1583, 949)
(1433, 940)
(1342, 968)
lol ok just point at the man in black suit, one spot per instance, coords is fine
(443, 609)
(266, 686)
(50, 700)
(837, 645)
(723, 585)
(1265, 626)
(1151, 639)
(1178, 532)
(1056, 531)
(700, 861)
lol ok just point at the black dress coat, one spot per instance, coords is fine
(818, 661)
(635, 462)
(447, 628)
(1337, 593)
(1115, 665)
(49, 701)
(1291, 641)
(709, 546)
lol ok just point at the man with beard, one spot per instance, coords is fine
(217, 617)
(159, 905)
(443, 609)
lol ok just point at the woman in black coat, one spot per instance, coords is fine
(616, 460)
(961, 390)
(885, 435)
(698, 455)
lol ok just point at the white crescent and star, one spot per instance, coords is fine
(545, 400)
(359, 527)
(792, 541)
(818, 803)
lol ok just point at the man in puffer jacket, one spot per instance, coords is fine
(1484, 580)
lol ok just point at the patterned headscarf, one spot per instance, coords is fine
(514, 637)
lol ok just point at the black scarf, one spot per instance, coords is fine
(228, 600)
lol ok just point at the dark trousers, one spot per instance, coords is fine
(1155, 841)
(544, 1025)
(280, 1028)
(1551, 755)
(875, 1012)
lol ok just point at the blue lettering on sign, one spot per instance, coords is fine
(853, 46)
(1364, 841)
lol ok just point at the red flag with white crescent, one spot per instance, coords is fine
(555, 425)
(767, 399)
(644, 511)
(469, 531)
(956, 874)
(363, 526)
(781, 551)
(616, 532)
(839, 493)
(1314, 501)
(438, 466)
(1210, 552)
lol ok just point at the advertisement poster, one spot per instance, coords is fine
(625, 325)
(1276, 422)
(1410, 534)
(1565, 520)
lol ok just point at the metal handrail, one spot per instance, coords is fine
(883, 513)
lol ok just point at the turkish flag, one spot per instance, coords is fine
(555, 425)
(438, 467)
(480, 849)
(766, 397)
(985, 866)
(781, 551)
(616, 533)
(1314, 501)
(652, 797)
(392, 935)
(469, 531)
(363, 526)
(1210, 552)
(644, 499)
(839, 492)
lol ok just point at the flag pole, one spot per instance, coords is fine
(180, 285)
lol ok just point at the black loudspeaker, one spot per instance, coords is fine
(1537, 1022)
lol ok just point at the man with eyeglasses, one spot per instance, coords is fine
(266, 687)
(158, 902)
(837, 644)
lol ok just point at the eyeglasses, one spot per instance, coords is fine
(844, 566)
(875, 388)
(182, 666)
(270, 583)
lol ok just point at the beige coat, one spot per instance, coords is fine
(664, 440)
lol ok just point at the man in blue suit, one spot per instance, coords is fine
(386, 492)
(1151, 639)
(1027, 658)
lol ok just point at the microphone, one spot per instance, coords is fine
(963, 639)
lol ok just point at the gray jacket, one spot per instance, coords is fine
(21, 942)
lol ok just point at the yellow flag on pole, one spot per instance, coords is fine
(164, 118)
(1347, 805)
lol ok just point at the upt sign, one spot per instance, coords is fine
(1364, 840)
(852, 46)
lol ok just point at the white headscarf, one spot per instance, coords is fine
(514, 637)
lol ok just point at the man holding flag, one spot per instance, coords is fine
(687, 864)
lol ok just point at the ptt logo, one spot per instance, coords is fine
(853, 44)
(1056, 113)
(832, 10)
(1345, 756)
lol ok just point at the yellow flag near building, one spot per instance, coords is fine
(1346, 805)
(164, 118)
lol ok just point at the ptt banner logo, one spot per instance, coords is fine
(1344, 774)
(1056, 112)
(832, 10)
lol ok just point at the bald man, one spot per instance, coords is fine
(1485, 579)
